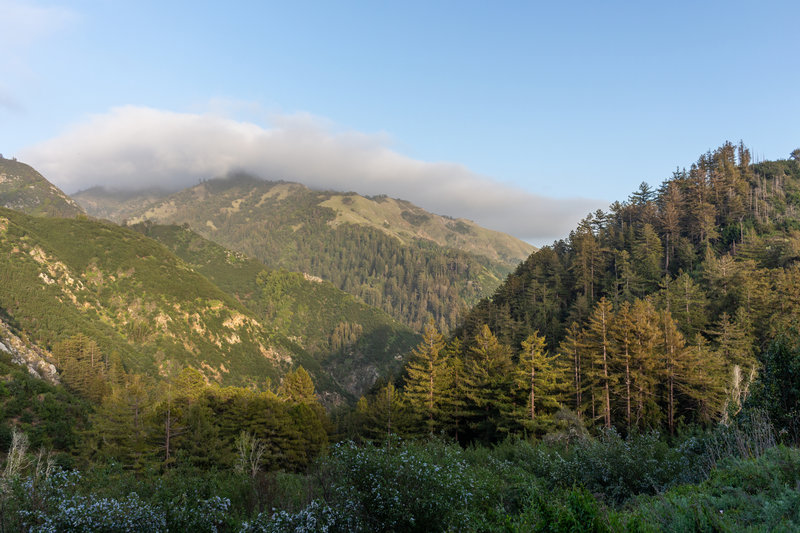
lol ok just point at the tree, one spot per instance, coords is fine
(297, 386)
(647, 256)
(687, 302)
(621, 333)
(385, 414)
(644, 348)
(119, 426)
(249, 453)
(84, 369)
(487, 386)
(572, 348)
(427, 379)
(777, 390)
(535, 377)
(598, 345)
(672, 363)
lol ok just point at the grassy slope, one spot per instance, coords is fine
(408, 222)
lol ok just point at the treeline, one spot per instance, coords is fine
(183, 420)
(649, 316)
(630, 369)
(186, 422)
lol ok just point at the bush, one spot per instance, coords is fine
(401, 486)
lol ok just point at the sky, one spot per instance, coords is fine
(522, 116)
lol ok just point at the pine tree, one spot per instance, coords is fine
(487, 386)
(454, 397)
(572, 349)
(598, 344)
(119, 426)
(621, 333)
(298, 387)
(535, 379)
(673, 368)
(427, 379)
(386, 414)
(647, 337)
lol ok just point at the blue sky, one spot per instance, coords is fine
(563, 106)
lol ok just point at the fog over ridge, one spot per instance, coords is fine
(134, 147)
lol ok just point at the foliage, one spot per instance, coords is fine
(778, 388)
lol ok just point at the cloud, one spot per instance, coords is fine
(132, 147)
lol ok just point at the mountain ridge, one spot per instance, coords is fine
(368, 247)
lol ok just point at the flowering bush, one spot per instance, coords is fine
(399, 487)
(317, 517)
(56, 504)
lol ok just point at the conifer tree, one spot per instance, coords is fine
(385, 415)
(454, 398)
(598, 344)
(119, 426)
(487, 386)
(622, 334)
(673, 368)
(535, 379)
(426, 383)
(297, 386)
(647, 337)
(572, 349)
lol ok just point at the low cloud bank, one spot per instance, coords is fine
(136, 147)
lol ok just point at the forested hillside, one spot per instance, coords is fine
(650, 315)
(389, 253)
(345, 340)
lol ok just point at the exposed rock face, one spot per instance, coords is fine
(37, 361)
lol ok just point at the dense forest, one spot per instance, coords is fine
(649, 316)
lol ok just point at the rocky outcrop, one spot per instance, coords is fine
(36, 360)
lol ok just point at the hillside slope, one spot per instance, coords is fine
(345, 339)
(136, 300)
(387, 252)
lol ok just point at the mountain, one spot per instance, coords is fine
(24, 189)
(150, 312)
(389, 253)
(192, 297)
(729, 227)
